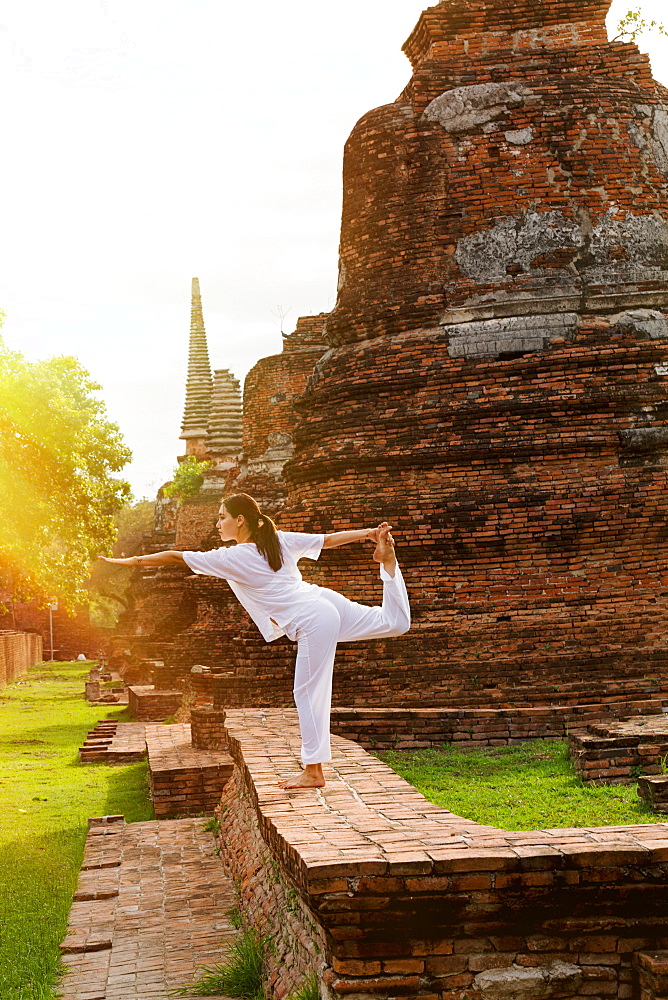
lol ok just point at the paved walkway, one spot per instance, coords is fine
(151, 907)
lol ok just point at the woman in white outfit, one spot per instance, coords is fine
(262, 571)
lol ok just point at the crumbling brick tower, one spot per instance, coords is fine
(497, 384)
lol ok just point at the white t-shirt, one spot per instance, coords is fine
(271, 598)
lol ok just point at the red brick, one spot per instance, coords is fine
(403, 965)
(352, 967)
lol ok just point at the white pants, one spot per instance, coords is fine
(320, 625)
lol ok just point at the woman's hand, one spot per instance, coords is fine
(373, 532)
(127, 561)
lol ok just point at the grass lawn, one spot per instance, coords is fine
(46, 797)
(528, 786)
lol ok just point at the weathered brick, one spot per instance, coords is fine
(355, 967)
(403, 965)
(446, 964)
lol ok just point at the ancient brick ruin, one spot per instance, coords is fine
(495, 385)
(497, 382)
(184, 620)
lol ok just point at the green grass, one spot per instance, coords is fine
(241, 975)
(529, 786)
(309, 989)
(46, 797)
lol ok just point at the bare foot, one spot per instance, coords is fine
(310, 777)
(379, 535)
(384, 551)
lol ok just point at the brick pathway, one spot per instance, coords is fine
(184, 781)
(150, 908)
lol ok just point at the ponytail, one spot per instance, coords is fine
(263, 530)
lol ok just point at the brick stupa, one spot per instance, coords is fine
(498, 383)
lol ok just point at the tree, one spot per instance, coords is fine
(58, 495)
(187, 479)
(634, 24)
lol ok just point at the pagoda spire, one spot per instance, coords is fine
(224, 431)
(199, 384)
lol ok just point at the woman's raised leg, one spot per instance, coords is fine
(392, 618)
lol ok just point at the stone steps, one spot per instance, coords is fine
(150, 908)
(184, 781)
(618, 752)
(114, 743)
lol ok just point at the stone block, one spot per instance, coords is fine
(558, 979)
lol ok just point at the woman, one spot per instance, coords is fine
(262, 571)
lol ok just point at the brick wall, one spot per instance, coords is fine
(530, 532)
(268, 897)
(18, 652)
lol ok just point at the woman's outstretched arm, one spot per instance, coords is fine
(167, 558)
(337, 538)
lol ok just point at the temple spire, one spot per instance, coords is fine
(224, 432)
(199, 384)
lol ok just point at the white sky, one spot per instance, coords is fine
(149, 141)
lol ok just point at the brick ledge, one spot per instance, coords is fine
(370, 822)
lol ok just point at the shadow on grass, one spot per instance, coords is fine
(46, 797)
(133, 801)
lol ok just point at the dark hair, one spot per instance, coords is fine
(262, 528)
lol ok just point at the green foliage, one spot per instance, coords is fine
(308, 990)
(188, 478)
(45, 801)
(240, 976)
(529, 786)
(235, 918)
(109, 585)
(57, 492)
(212, 826)
(634, 24)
